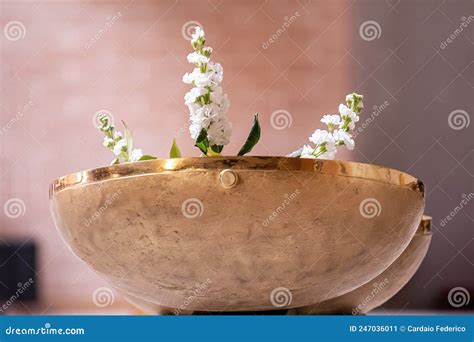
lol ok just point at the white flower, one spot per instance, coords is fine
(202, 115)
(136, 154)
(120, 146)
(347, 112)
(197, 58)
(207, 51)
(349, 117)
(199, 79)
(327, 142)
(219, 100)
(195, 129)
(328, 155)
(350, 125)
(327, 151)
(344, 137)
(331, 120)
(196, 126)
(295, 154)
(118, 135)
(219, 109)
(321, 136)
(206, 101)
(216, 94)
(191, 95)
(115, 142)
(219, 131)
(108, 142)
(354, 101)
(188, 78)
(198, 33)
(192, 107)
(307, 152)
(217, 72)
(204, 80)
(349, 98)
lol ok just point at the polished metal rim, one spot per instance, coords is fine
(328, 167)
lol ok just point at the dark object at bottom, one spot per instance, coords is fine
(17, 272)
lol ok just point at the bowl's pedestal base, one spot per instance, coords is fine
(165, 311)
(244, 313)
(155, 309)
(288, 312)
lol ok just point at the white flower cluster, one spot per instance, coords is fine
(206, 101)
(115, 141)
(339, 131)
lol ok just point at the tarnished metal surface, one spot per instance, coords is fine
(379, 290)
(158, 230)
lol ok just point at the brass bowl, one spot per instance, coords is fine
(261, 233)
(380, 289)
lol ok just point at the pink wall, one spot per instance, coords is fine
(55, 78)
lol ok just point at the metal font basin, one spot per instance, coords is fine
(237, 233)
(380, 289)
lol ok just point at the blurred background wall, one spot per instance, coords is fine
(62, 62)
(420, 63)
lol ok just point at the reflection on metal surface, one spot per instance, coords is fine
(318, 245)
(380, 289)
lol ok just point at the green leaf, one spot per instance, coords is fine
(217, 148)
(253, 137)
(174, 151)
(201, 142)
(115, 161)
(146, 157)
(128, 137)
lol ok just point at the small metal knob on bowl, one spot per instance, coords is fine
(228, 178)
